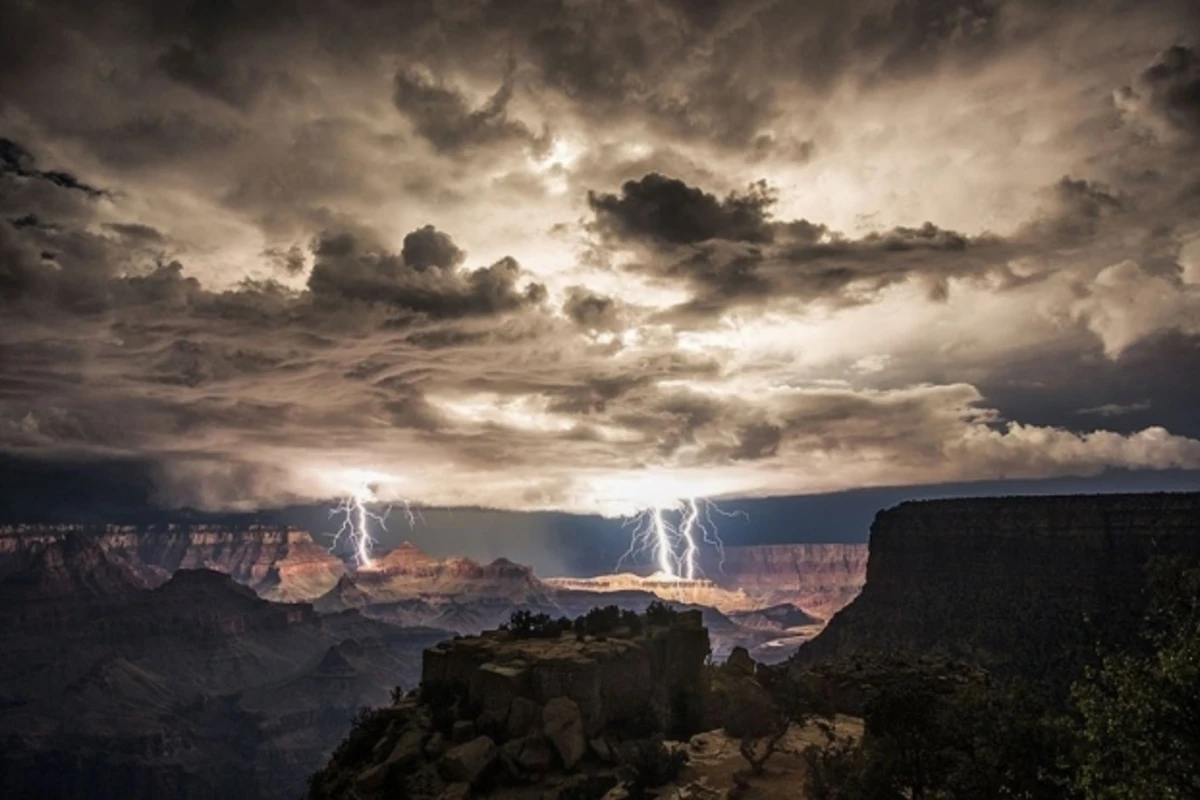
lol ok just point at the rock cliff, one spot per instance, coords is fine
(277, 562)
(819, 578)
(1023, 585)
(502, 715)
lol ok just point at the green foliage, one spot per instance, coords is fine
(367, 727)
(660, 614)
(525, 624)
(599, 621)
(841, 770)
(633, 621)
(923, 739)
(649, 763)
(758, 710)
(1141, 711)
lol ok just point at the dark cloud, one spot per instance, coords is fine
(1168, 90)
(209, 73)
(172, 313)
(17, 161)
(349, 269)
(730, 252)
(290, 261)
(446, 120)
(592, 311)
(658, 208)
(136, 231)
(428, 247)
(757, 441)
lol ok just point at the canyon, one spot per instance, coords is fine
(197, 687)
(278, 562)
(203, 660)
(819, 578)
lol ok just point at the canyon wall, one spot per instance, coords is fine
(1024, 585)
(197, 688)
(279, 563)
(820, 578)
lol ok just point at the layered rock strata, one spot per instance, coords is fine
(279, 563)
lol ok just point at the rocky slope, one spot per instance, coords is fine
(1020, 584)
(501, 716)
(197, 688)
(819, 578)
(277, 562)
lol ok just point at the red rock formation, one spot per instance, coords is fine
(280, 563)
(820, 578)
(407, 572)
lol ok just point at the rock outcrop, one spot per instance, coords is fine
(279, 563)
(499, 713)
(819, 578)
(609, 679)
(407, 572)
(1024, 585)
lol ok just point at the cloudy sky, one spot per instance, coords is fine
(594, 256)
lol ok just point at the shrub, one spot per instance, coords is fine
(659, 613)
(367, 727)
(525, 624)
(650, 763)
(600, 621)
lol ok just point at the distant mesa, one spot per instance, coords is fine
(698, 591)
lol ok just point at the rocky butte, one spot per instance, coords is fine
(1024, 585)
(498, 712)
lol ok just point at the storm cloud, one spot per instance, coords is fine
(597, 255)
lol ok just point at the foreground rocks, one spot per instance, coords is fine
(496, 713)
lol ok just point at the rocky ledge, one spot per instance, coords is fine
(499, 712)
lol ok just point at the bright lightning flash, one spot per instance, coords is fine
(675, 547)
(357, 518)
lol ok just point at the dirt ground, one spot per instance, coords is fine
(714, 758)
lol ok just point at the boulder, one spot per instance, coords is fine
(436, 745)
(575, 676)
(371, 779)
(535, 755)
(494, 687)
(524, 717)
(574, 786)
(462, 731)
(527, 757)
(385, 743)
(603, 750)
(563, 725)
(456, 791)
(466, 762)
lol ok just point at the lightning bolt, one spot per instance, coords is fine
(675, 548)
(356, 519)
